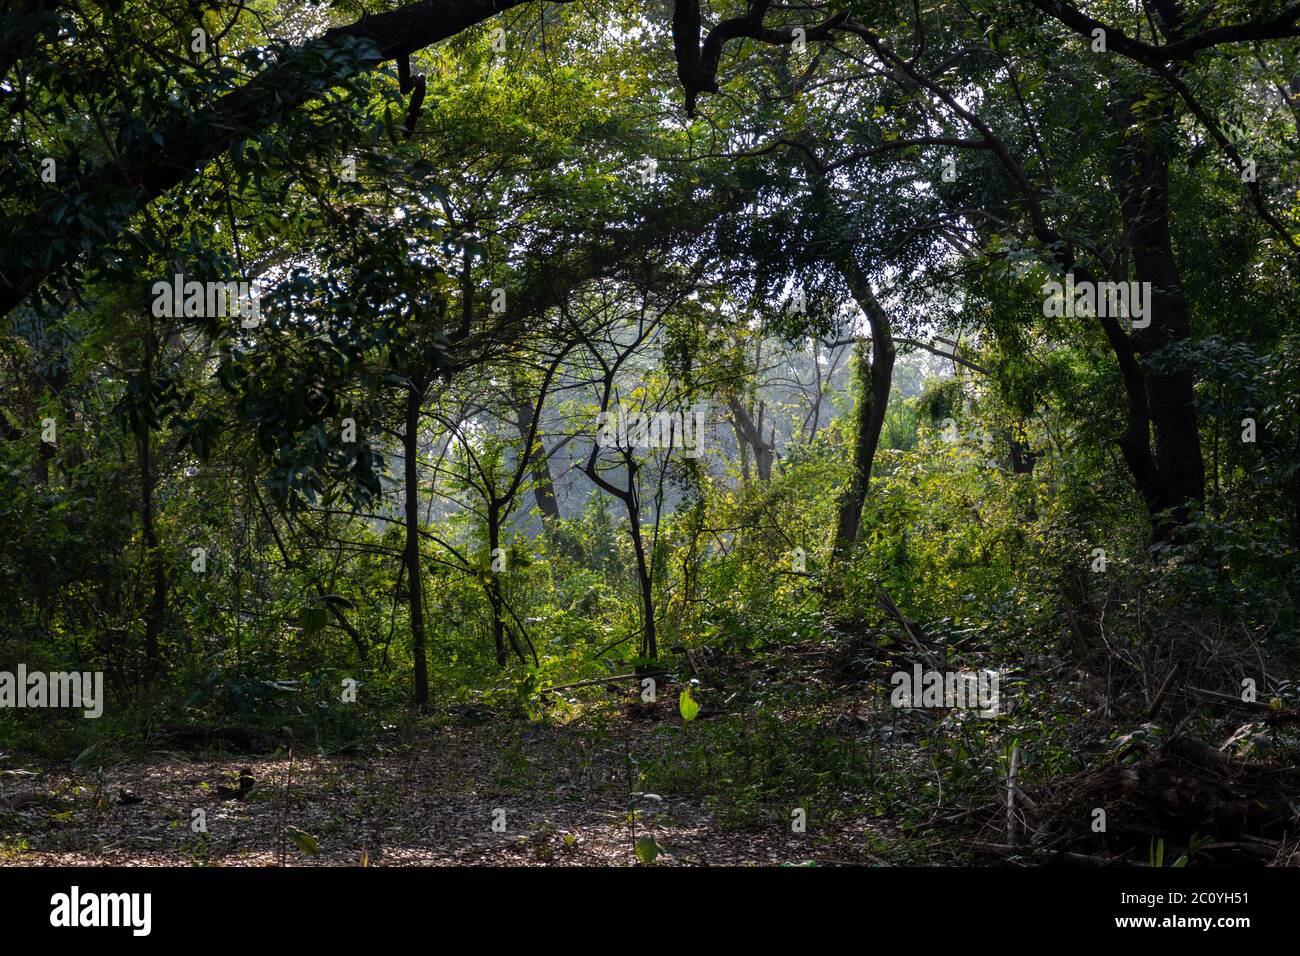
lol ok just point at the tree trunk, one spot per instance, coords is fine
(750, 433)
(649, 641)
(875, 378)
(415, 583)
(54, 384)
(494, 592)
(538, 463)
(158, 573)
(154, 561)
(1172, 481)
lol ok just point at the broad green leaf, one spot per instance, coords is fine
(303, 841)
(687, 705)
(647, 850)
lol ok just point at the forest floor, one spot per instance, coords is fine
(795, 758)
(432, 802)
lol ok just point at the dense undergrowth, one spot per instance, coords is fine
(789, 660)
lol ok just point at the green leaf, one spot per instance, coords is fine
(389, 126)
(303, 841)
(647, 850)
(687, 705)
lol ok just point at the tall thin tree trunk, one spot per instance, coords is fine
(649, 640)
(415, 582)
(158, 573)
(494, 591)
(154, 560)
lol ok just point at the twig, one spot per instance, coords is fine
(588, 683)
(1013, 764)
(1160, 694)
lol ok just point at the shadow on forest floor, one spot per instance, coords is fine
(807, 734)
(433, 802)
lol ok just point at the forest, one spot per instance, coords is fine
(638, 434)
